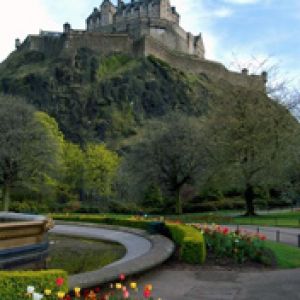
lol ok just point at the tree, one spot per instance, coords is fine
(254, 139)
(100, 169)
(170, 155)
(28, 153)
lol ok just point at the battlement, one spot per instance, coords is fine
(155, 18)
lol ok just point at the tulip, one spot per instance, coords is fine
(149, 287)
(147, 294)
(126, 294)
(59, 281)
(36, 296)
(47, 292)
(30, 289)
(133, 285)
(118, 286)
(61, 295)
(122, 277)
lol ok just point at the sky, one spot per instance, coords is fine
(238, 33)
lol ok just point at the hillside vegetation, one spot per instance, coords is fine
(180, 141)
(105, 98)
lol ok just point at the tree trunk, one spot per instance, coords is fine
(249, 197)
(6, 198)
(178, 203)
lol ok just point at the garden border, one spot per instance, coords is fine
(161, 249)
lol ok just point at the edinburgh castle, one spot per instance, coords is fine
(139, 28)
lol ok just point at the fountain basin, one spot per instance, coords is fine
(23, 239)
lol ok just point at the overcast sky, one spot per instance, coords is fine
(233, 30)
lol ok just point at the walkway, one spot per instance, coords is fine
(173, 282)
(143, 251)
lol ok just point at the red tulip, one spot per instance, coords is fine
(59, 281)
(147, 293)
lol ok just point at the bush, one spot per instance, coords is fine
(191, 243)
(126, 222)
(13, 285)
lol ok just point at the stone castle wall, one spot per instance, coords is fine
(50, 45)
(99, 42)
(103, 43)
(192, 64)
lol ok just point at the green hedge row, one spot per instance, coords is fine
(13, 284)
(191, 243)
(126, 222)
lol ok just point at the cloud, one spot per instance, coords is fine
(19, 18)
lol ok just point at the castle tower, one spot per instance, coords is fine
(108, 11)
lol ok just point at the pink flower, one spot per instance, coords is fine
(122, 277)
(126, 294)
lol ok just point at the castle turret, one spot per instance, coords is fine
(108, 11)
(67, 28)
(17, 43)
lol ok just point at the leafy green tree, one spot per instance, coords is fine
(170, 156)
(100, 169)
(72, 179)
(254, 141)
(28, 153)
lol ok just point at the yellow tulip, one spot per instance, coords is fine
(118, 286)
(77, 290)
(61, 295)
(47, 292)
(133, 285)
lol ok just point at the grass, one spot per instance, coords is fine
(287, 257)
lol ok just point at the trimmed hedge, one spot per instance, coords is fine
(126, 222)
(191, 243)
(13, 284)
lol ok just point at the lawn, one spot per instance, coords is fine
(284, 219)
(287, 256)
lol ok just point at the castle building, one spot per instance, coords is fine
(139, 28)
(155, 18)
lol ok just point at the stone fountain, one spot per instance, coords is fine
(23, 239)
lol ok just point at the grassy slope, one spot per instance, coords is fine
(287, 256)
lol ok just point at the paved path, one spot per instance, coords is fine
(144, 251)
(287, 235)
(202, 283)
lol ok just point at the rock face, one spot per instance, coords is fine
(138, 29)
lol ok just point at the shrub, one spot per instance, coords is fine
(191, 243)
(13, 285)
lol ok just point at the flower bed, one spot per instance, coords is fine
(13, 285)
(115, 291)
(242, 246)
